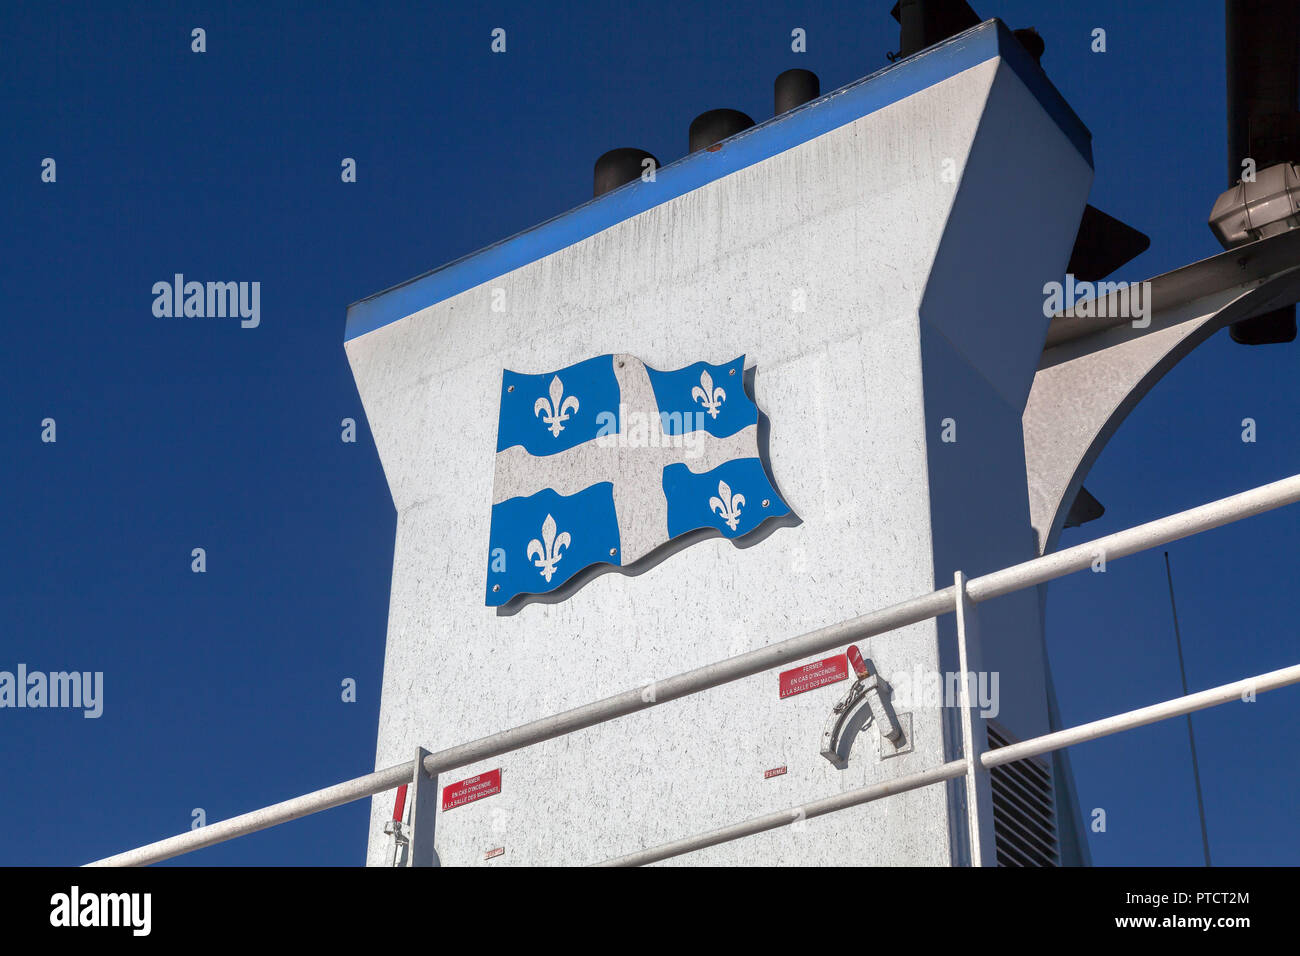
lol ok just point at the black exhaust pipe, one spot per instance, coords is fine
(794, 88)
(619, 166)
(715, 126)
(923, 23)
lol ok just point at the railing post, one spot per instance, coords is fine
(424, 813)
(973, 742)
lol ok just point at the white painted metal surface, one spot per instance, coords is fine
(878, 228)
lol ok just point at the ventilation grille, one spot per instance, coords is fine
(1024, 808)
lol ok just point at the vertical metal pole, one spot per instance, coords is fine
(1191, 736)
(968, 625)
(424, 813)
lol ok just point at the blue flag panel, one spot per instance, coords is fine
(736, 497)
(703, 397)
(551, 413)
(539, 542)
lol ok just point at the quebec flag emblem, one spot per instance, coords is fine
(602, 463)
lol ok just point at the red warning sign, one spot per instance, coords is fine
(475, 788)
(812, 676)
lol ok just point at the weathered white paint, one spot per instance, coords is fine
(923, 302)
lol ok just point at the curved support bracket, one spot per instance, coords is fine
(1092, 374)
(849, 716)
(864, 703)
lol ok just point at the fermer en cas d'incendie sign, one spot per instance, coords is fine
(814, 675)
(473, 788)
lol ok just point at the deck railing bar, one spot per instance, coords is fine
(956, 768)
(1037, 571)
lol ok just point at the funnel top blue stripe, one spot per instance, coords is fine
(815, 118)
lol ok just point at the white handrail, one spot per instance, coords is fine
(1037, 571)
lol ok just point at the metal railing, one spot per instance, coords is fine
(956, 768)
(927, 606)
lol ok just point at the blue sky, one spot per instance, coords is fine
(223, 689)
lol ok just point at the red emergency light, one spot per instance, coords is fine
(859, 665)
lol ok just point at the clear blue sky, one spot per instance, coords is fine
(223, 689)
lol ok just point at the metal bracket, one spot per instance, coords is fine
(401, 840)
(864, 703)
(851, 714)
(905, 744)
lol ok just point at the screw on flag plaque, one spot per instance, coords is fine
(602, 464)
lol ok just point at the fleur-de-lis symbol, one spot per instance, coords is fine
(727, 506)
(549, 548)
(712, 398)
(557, 408)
